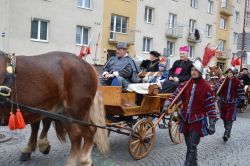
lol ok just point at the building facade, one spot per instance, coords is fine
(33, 27)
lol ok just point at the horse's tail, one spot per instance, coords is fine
(97, 115)
(60, 131)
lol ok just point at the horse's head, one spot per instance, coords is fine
(215, 74)
(3, 66)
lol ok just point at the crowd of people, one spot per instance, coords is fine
(198, 114)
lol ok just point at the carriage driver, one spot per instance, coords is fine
(198, 104)
(120, 70)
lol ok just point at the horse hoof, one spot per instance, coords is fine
(25, 157)
(47, 150)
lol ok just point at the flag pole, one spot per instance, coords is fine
(243, 34)
(96, 46)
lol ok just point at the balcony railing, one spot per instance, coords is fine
(126, 35)
(174, 31)
(194, 38)
(226, 9)
(226, 54)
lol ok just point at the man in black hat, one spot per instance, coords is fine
(151, 64)
(120, 70)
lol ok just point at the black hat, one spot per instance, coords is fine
(155, 53)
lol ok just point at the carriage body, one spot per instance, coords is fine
(137, 121)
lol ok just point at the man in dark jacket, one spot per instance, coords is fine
(151, 65)
(120, 70)
(244, 77)
(179, 72)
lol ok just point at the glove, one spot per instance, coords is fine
(165, 106)
(211, 129)
(241, 103)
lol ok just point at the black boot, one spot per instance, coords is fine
(228, 126)
(191, 156)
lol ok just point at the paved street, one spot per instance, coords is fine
(212, 150)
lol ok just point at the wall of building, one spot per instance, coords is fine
(63, 17)
(126, 8)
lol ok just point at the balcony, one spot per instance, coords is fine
(194, 37)
(126, 35)
(174, 32)
(226, 9)
(226, 54)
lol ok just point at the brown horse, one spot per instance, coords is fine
(63, 83)
(214, 75)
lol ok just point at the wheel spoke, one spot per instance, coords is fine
(135, 141)
(135, 147)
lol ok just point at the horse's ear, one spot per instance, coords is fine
(210, 67)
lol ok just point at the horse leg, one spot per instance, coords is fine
(43, 143)
(31, 146)
(85, 155)
(76, 140)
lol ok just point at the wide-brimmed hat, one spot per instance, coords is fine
(197, 64)
(122, 45)
(155, 53)
(232, 69)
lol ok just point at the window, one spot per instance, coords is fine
(148, 15)
(236, 17)
(119, 24)
(82, 35)
(39, 30)
(172, 20)
(194, 3)
(222, 45)
(248, 3)
(84, 4)
(224, 3)
(192, 25)
(191, 51)
(238, 1)
(147, 44)
(210, 7)
(235, 35)
(170, 48)
(223, 23)
(209, 30)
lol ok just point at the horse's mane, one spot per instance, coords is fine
(2, 53)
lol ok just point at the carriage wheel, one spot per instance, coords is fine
(142, 139)
(244, 108)
(174, 125)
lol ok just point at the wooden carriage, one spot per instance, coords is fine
(137, 120)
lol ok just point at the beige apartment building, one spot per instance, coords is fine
(33, 27)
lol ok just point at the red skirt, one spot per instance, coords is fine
(200, 127)
(228, 111)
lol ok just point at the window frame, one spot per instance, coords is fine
(145, 47)
(236, 17)
(172, 50)
(194, 4)
(83, 7)
(146, 15)
(172, 20)
(209, 30)
(114, 28)
(210, 9)
(222, 45)
(224, 24)
(235, 36)
(81, 36)
(192, 26)
(39, 30)
(191, 51)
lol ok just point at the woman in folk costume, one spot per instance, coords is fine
(198, 105)
(232, 95)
